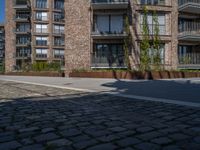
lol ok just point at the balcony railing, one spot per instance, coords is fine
(190, 6)
(110, 4)
(21, 4)
(22, 16)
(189, 30)
(109, 35)
(22, 30)
(42, 56)
(108, 62)
(182, 2)
(23, 55)
(59, 56)
(190, 58)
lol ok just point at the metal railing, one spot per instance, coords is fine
(108, 62)
(182, 2)
(23, 55)
(22, 16)
(41, 56)
(189, 58)
(110, 1)
(189, 27)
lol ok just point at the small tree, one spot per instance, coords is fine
(156, 42)
(145, 43)
(127, 43)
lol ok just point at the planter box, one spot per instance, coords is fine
(109, 74)
(45, 74)
(155, 75)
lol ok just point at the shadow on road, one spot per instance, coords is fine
(184, 90)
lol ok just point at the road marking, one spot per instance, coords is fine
(153, 99)
(48, 85)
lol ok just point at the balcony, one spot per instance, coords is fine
(41, 56)
(189, 6)
(108, 35)
(22, 17)
(23, 44)
(110, 4)
(23, 55)
(104, 62)
(22, 31)
(2, 47)
(21, 4)
(189, 31)
(189, 61)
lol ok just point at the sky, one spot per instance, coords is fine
(2, 11)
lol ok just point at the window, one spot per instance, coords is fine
(153, 53)
(41, 28)
(59, 53)
(151, 23)
(59, 41)
(21, 2)
(22, 15)
(23, 27)
(41, 4)
(111, 55)
(59, 17)
(41, 16)
(22, 40)
(58, 29)
(23, 52)
(109, 24)
(41, 41)
(58, 4)
(41, 53)
(152, 2)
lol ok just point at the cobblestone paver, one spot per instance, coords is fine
(41, 118)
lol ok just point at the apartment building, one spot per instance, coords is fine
(92, 33)
(95, 39)
(34, 32)
(2, 46)
(189, 34)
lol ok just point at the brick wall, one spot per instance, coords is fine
(77, 34)
(9, 37)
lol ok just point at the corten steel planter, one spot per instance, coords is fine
(45, 74)
(155, 75)
(164, 74)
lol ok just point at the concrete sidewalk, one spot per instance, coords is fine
(179, 91)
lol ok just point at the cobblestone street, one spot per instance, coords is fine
(43, 118)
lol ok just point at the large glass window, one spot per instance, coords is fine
(41, 41)
(41, 16)
(109, 24)
(59, 41)
(22, 39)
(152, 25)
(23, 52)
(109, 55)
(152, 2)
(41, 28)
(41, 53)
(59, 29)
(59, 53)
(58, 4)
(59, 17)
(23, 27)
(153, 53)
(41, 4)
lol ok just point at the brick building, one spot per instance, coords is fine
(91, 33)
(2, 47)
